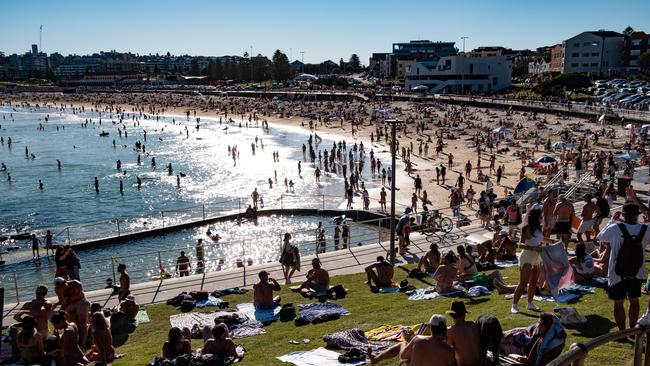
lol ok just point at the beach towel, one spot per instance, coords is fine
(211, 301)
(229, 291)
(354, 338)
(478, 291)
(317, 357)
(309, 312)
(559, 273)
(430, 293)
(262, 315)
(388, 290)
(141, 317)
(388, 333)
(566, 297)
(246, 329)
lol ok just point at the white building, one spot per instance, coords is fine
(458, 74)
(594, 53)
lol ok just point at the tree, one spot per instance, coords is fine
(260, 69)
(355, 64)
(342, 65)
(245, 67)
(644, 63)
(218, 70)
(281, 67)
(194, 70)
(627, 31)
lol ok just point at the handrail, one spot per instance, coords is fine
(578, 352)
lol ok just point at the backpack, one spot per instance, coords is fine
(287, 313)
(630, 255)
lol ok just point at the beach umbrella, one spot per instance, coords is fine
(524, 185)
(546, 159)
(500, 130)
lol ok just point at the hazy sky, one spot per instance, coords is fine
(322, 29)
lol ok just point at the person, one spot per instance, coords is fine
(35, 244)
(563, 215)
(583, 264)
(421, 350)
(464, 336)
(548, 208)
(380, 274)
(446, 274)
(538, 344)
(263, 292)
(220, 344)
(255, 197)
(622, 282)
(38, 309)
(48, 243)
(290, 258)
(603, 211)
(530, 260)
(466, 264)
(345, 234)
(513, 216)
(183, 265)
(102, 349)
(200, 253)
(418, 184)
(70, 353)
(125, 282)
(430, 260)
(590, 213)
(506, 249)
(129, 307)
(318, 279)
(60, 255)
(77, 309)
(30, 342)
(601, 259)
(176, 345)
(382, 199)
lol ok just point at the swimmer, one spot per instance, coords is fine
(58, 164)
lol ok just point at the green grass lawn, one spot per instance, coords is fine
(368, 310)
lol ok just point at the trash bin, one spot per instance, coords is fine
(623, 183)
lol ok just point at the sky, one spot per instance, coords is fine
(331, 29)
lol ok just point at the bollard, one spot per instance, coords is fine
(113, 267)
(16, 287)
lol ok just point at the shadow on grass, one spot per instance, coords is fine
(596, 325)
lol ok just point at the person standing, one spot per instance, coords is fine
(530, 260)
(125, 282)
(183, 265)
(35, 244)
(563, 214)
(625, 272)
(289, 258)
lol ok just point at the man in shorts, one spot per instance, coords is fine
(563, 215)
(589, 214)
(625, 288)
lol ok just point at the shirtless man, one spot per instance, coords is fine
(40, 309)
(70, 353)
(382, 199)
(563, 215)
(77, 309)
(220, 344)
(318, 279)
(547, 212)
(380, 274)
(464, 336)
(430, 260)
(422, 350)
(446, 274)
(125, 282)
(60, 288)
(506, 248)
(466, 264)
(263, 292)
(589, 214)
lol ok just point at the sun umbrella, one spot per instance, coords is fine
(546, 159)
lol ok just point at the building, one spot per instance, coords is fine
(596, 53)
(557, 59)
(539, 67)
(635, 45)
(418, 50)
(378, 65)
(457, 74)
(494, 51)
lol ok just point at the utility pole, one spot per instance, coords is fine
(464, 38)
(40, 39)
(302, 54)
(393, 131)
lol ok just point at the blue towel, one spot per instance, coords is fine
(389, 290)
(261, 315)
(211, 301)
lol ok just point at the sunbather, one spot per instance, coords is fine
(430, 260)
(220, 344)
(176, 345)
(422, 350)
(446, 274)
(318, 279)
(380, 274)
(538, 344)
(464, 336)
(263, 292)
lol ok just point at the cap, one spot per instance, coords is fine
(437, 320)
(130, 298)
(457, 308)
(59, 281)
(631, 209)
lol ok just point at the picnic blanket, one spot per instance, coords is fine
(211, 301)
(247, 328)
(388, 333)
(430, 293)
(309, 312)
(262, 315)
(141, 317)
(354, 338)
(316, 357)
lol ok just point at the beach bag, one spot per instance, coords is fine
(630, 255)
(337, 292)
(287, 313)
(187, 305)
(416, 273)
(199, 295)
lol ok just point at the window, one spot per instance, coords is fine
(594, 64)
(574, 65)
(577, 44)
(636, 42)
(586, 54)
(575, 54)
(595, 54)
(585, 65)
(635, 52)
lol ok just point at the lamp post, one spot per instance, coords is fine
(251, 64)
(393, 152)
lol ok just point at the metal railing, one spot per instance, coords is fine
(578, 352)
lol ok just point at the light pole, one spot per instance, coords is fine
(464, 38)
(251, 63)
(393, 132)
